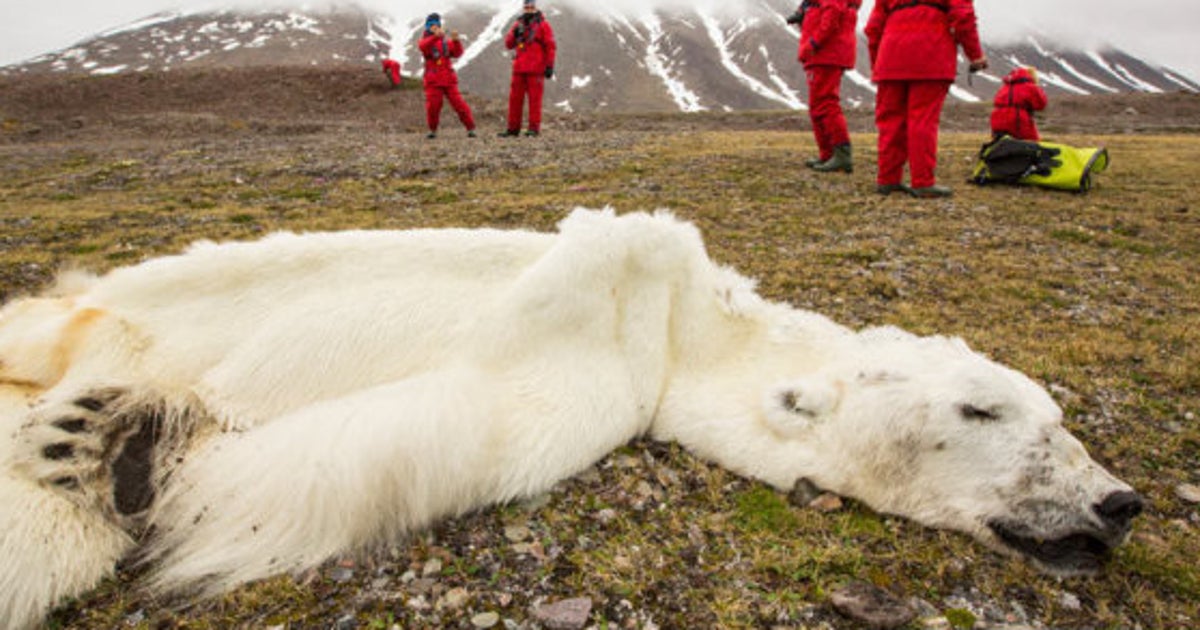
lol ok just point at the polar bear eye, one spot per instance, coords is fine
(971, 412)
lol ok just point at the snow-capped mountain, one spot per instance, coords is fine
(685, 59)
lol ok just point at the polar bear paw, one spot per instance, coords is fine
(95, 448)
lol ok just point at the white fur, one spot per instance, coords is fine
(327, 392)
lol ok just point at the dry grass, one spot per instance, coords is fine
(1093, 295)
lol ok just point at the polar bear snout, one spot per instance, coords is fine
(1118, 509)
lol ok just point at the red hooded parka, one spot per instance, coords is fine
(827, 33)
(918, 39)
(1015, 102)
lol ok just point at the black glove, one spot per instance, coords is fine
(796, 18)
(549, 72)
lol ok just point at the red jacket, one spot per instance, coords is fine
(918, 39)
(1015, 103)
(827, 33)
(440, 53)
(534, 45)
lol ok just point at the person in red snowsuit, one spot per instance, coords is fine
(532, 41)
(391, 70)
(1016, 100)
(913, 46)
(827, 49)
(441, 81)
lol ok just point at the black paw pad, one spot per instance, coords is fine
(133, 469)
(58, 451)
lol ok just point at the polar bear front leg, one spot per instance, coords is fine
(97, 448)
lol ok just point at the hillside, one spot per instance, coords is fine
(292, 100)
(685, 59)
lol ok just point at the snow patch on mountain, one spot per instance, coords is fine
(494, 32)
(718, 38)
(659, 63)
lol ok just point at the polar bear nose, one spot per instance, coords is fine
(1119, 508)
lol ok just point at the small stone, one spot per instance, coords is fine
(870, 605)
(826, 503)
(485, 620)
(422, 586)
(517, 533)
(606, 515)
(1189, 492)
(803, 493)
(1070, 601)
(346, 622)
(454, 599)
(567, 614)
(432, 567)
(341, 574)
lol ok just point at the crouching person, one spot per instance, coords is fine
(1017, 99)
(441, 81)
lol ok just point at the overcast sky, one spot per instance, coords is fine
(1161, 31)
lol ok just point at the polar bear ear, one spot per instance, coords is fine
(795, 406)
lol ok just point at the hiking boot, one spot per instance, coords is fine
(931, 192)
(841, 161)
(813, 162)
(431, 135)
(887, 189)
(470, 133)
(509, 133)
(531, 133)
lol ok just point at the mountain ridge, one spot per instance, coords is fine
(681, 60)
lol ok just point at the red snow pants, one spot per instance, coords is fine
(825, 108)
(524, 83)
(433, 106)
(907, 115)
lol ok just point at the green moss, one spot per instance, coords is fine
(761, 509)
(960, 618)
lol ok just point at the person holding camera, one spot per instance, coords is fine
(913, 46)
(827, 49)
(441, 81)
(1016, 101)
(532, 41)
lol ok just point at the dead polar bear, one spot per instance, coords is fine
(264, 406)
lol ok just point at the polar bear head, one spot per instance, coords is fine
(925, 428)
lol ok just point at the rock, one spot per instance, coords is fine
(872, 606)
(454, 599)
(432, 567)
(517, 533)
(826, 503)
(485, 620)
(567, 614)
(803, 493)
(341, 574)
(1069, 601)
(1189, 492)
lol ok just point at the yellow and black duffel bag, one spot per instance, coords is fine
(1006, 160)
